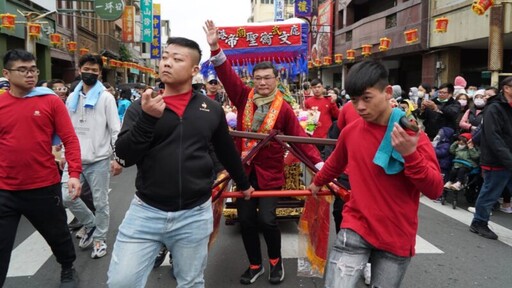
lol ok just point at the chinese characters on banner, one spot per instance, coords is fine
(260, 36)
(128, 24)
(155, 43)
(303, 8)
(321, 41)
(146, 11)
(278, 10)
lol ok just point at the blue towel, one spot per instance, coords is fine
(387, 157)
(90, 98)
(44, 91)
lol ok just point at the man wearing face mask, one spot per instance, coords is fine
(93, 112)
(440, 112)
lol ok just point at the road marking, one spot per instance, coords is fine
(31, 254)
(465, 217)
(425, 247)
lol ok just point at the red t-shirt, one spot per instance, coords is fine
(383, 208)
(178, 103)
(27, 126)
(328, 111)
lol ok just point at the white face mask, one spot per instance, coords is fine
(471, 93)
(421, 94)
(462, 146)
(463, 103)
(479, 102)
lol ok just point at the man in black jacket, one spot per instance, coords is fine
(440, 112)
(167, 137)
(495, 157)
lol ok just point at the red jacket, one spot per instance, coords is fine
(328, 111)
(269, 161)
(383, 208)
(26, 129)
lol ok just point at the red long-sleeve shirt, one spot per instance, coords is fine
(27, 126)
(269, 161)
(383, 208)
(328, 111)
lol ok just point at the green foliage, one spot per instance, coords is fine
(124, 53)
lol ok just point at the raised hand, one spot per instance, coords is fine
(212, 35)
(152, 104)
(403, 142)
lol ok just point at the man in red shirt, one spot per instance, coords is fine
(328, 110)
(29, 182)
(381, 218)
(261, 110)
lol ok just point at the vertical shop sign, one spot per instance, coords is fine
(128, 24)
(278, 10)
(155, 43)
(146, 11)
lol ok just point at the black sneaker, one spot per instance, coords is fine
(276, 274)
(160, 257)
(68, 278)
(483, 230)
(74, 224)
(250, 275)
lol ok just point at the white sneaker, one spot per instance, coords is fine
(367, 273)
(86, 239)
(448, 185)
(507, 210)
(99, 250)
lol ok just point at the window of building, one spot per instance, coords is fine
(391, 21)
(367, 8)
(348, 36)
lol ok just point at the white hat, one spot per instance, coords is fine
(198, 79)
(211, 77)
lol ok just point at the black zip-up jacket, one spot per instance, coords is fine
(496, 137)
(433, 121)
(174, 169)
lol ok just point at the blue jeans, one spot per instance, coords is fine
(349, 257)
(97, 175)
(185, 233)
(494, 183)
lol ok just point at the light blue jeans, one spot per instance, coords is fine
(185, 233)
(494, 183)
(97, 175)
(349, 257)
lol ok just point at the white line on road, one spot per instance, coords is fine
(461, 215)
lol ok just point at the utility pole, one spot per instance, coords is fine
(32, 17)
(496, 42)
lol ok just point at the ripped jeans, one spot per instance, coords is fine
(349, 256)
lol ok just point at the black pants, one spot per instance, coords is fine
(255, 214)
(459, 174)
(43, 208)
(337, 205)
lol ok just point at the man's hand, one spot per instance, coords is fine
(115, 168)
(314, 189)
(403, 142)
(247, 193)
(212, 35)
(152, 104)
(74, 188)
(62, 163)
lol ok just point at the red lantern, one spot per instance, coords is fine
(384, 43)
(71, 46)
(327, 60)
(441, 24)
(480, 6)
(318, 62)
(83, 51)
(34, 30)
(366, 50)
(8, 21)
(55, 39)
(310, 64)
(338, 58)
(351, 54)
(411, 36)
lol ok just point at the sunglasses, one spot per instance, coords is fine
(213, 82)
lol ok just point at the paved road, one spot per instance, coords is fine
(448, 254)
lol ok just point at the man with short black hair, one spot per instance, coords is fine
(29, 183)
(495, 157)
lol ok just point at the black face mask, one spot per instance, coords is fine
(89, 79)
